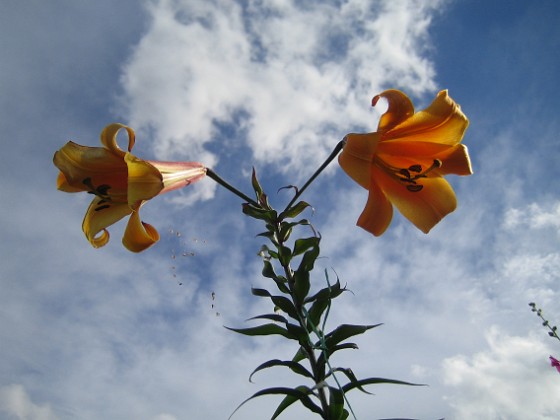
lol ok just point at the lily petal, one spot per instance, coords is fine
(356, 156)
(424, 208)
(178, 175)
(442, 122)
(400, 108)
(98, 218)
(138, 235)
(455, 161)
(97, 164)
(415, 149)
(378, 213)
(109, 138)
(144, 181)
(63, 185)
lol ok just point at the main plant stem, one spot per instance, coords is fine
(308, 347)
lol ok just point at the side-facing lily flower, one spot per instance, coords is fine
(121, 183)
(404, 161)
(555, 363)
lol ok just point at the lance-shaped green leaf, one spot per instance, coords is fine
(326, 353)
(301, 393)
(332, 341)
(281, 302)
(294, 211)
(259, 213)
(327, 293)
(300, 333)
(259, 192)
(271, 317)
(344, 331)
(295, 367)
(270, 235)
(321, 301)
(268, 271)
(284, 255)
(256, 184)
(265, 329)
(342, 346)
(308, 259)
(351, 377)
(273, 254)
(315, 312)
(304, 244)
(302, 285)
(285, 230)
(336, 404)
(375, 381)
(292, 398)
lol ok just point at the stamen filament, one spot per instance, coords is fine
(404, 174)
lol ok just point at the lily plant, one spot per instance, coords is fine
(402, 164)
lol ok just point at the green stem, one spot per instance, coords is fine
(321, 336)
(211, 174)
(318, 376)
(329, 159)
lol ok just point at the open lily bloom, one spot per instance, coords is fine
(121, 183)
(404, 161)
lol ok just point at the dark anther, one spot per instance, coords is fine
(102, 189)
(405, 173)
(415, 168)
(414, 187)
(106, 206)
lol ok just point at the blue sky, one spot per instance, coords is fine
(102, 333)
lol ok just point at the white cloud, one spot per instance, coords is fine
(511, 380)
(291, 78)
(15, 403)
(165, 417)
(535, 215)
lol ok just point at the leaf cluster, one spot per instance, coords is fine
(301, 316)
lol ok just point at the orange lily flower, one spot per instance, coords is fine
(121, 183)
(404, 161)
